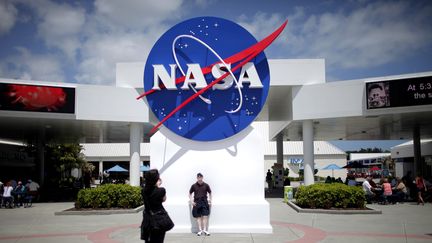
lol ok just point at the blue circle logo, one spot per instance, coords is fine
(207, 78)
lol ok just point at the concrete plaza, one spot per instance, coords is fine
(406, 222)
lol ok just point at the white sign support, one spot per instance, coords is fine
(233, 168)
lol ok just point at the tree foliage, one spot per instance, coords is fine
(66, 157)
(61, 160)
(367, 150)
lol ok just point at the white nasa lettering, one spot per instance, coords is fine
(218, 70)
(249, 74)
(194, 75)
(160, 73)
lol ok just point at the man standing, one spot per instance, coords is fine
(200, 203)
(269, 178)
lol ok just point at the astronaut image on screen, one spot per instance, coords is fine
(377, 95)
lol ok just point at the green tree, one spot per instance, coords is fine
(366, 150)
(286, 171)
(64, 158)
(301, 173)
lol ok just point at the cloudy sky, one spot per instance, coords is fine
(81, 41)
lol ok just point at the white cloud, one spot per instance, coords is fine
(59, 20)
(59, 25)
(27, 65)
(262, 24)
(102, 52)
(375, 34)
(204, 3)
(8, 16)
(136, 14)
(93, 42)
(120, 31)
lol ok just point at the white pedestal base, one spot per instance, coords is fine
(236, 217)
(232, 167)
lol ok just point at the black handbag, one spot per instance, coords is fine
(160, 220)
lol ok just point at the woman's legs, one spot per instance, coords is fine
(157, 236)
(420, 198)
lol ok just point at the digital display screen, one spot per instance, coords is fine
(398, 93)
(37, 98)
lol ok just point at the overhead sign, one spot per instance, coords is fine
(295, 161)
(37, 98)
(207, 78)
(398, 93)
(14, 156)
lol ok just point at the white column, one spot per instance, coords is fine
(101, 167)
(135, 141)
(101, 140)
(308, 152)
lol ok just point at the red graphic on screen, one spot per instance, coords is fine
(37, 97)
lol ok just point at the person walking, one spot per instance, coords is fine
(421, 188)
(269, 179)
(153, 195)
(201, 205)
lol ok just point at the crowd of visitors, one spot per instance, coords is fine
(398, 190)
(391, 190)
(333, 180)
(16, 194)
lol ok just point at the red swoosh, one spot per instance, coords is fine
(232, 59)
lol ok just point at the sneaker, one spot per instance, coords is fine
(199, 233)
(206, 233)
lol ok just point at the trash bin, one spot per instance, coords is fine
(288, 193)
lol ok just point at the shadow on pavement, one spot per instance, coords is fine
(274, 193)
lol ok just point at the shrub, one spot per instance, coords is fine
(296, 178)
(334, 195)
(109, 196)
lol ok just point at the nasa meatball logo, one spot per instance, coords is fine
(207, 78)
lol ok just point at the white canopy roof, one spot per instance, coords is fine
(120, 151)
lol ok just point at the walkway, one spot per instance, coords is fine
(398, 223)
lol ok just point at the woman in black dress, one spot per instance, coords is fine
(153, 196)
